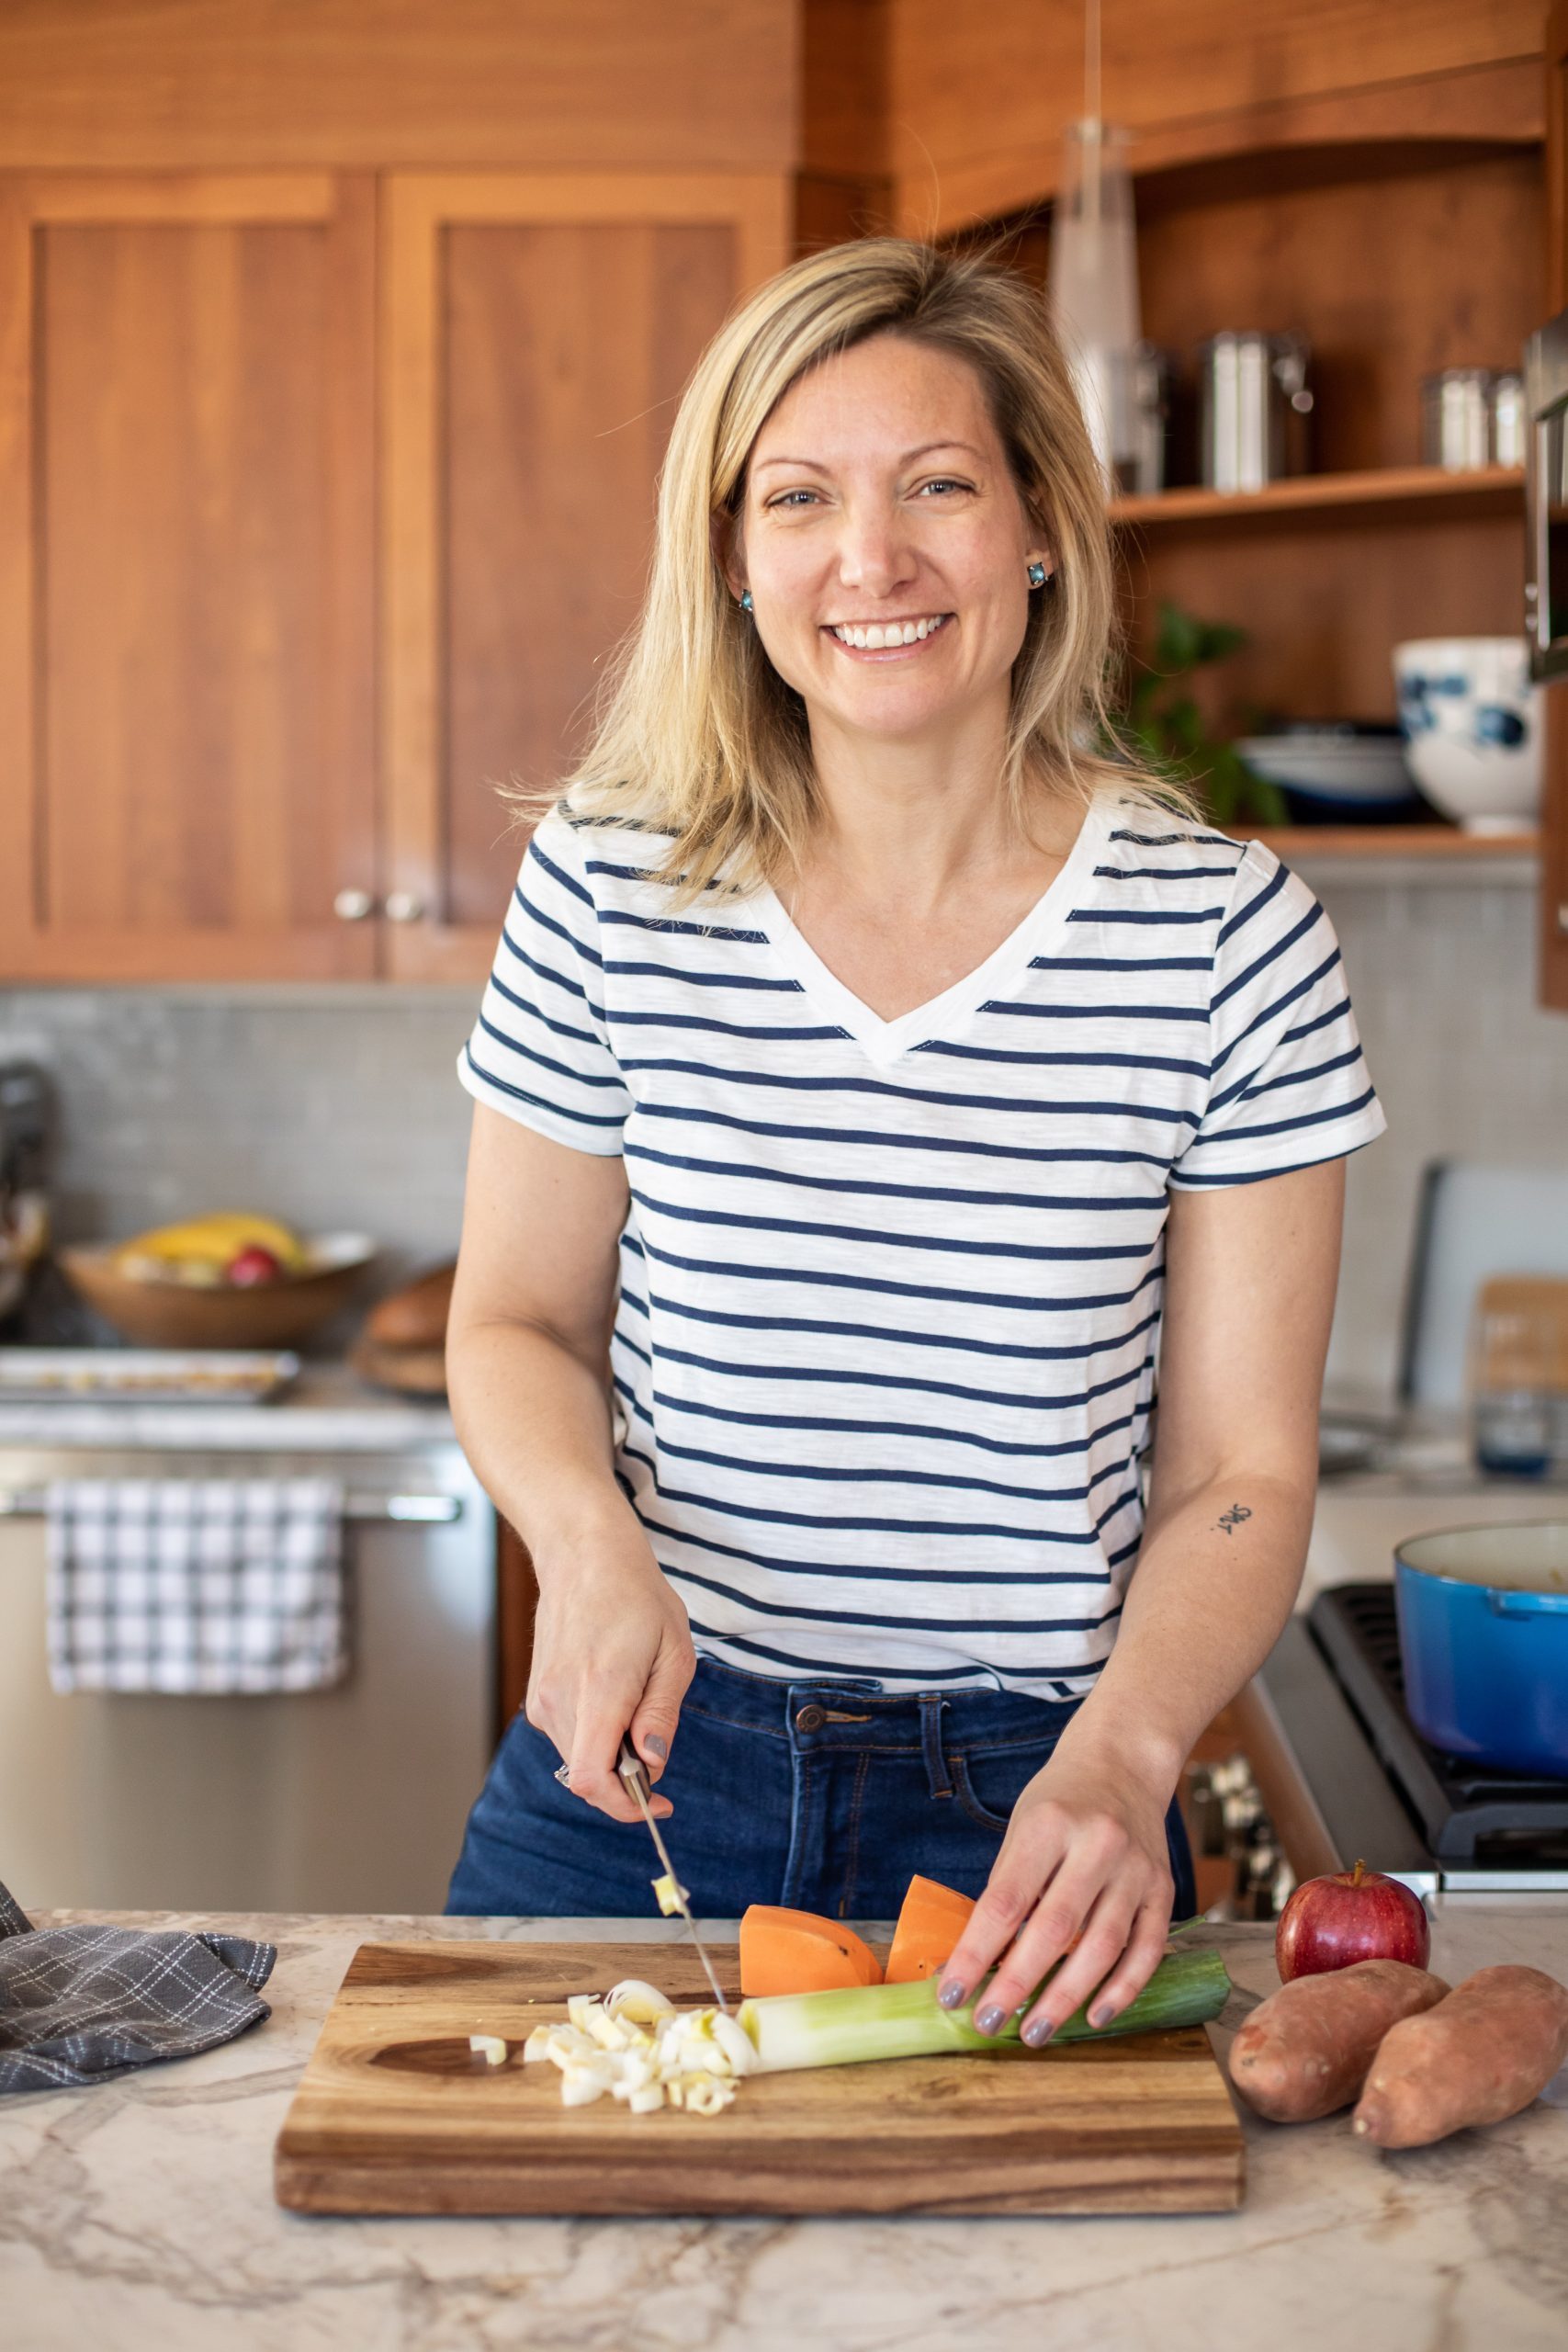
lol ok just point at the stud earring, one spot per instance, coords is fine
(746, 603)
(1037, 575)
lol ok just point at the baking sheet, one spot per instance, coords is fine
(144, 1376)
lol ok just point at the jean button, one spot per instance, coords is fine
(811, 1718)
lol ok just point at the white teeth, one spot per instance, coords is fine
(872, 637)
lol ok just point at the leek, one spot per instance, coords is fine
(845, 2028)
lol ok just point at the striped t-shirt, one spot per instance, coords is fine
(884, 1355)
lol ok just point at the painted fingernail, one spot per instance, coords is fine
(990, 2018)
(951, 1995)
(1103, 2015)
(1038, 2032)
(651, 1739)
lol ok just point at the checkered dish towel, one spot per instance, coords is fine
(80, 2004)
(196, 1584)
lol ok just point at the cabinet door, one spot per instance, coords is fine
(537, 335)
(187, 575)
(1554, 799)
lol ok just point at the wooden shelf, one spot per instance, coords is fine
(1390, 841)
(1497, 490)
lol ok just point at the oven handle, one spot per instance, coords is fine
(31, 1502)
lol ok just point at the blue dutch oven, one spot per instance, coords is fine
(1484, 1635)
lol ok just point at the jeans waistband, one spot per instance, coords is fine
(835, 1710)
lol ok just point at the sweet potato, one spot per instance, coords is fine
(1306, 2049)
(1484, 2052)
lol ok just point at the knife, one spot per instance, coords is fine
(632, 1773)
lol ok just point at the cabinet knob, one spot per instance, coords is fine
(403, 906)
(353, 906)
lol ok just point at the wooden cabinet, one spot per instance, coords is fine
(537, 332)
(187, 591)
(295, 580)
(1555, 807)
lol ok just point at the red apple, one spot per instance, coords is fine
(252, 1265)
(1355, 1914)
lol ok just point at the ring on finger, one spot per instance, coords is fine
(563, 1774)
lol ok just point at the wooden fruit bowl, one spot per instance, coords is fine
(177, 1314)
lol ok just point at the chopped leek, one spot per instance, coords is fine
(641, 2049)
(489, 2047)
(669, 1896)
(846, 2027)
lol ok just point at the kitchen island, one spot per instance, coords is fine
(140, 2213)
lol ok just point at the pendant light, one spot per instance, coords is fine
(1093, 287)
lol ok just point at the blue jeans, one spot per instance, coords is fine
(824, 1795)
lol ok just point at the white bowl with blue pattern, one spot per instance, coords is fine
(1472, 729)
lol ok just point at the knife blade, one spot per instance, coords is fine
(632, 1773)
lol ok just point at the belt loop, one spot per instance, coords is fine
(931, 1745)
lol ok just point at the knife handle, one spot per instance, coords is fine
(631, 1769)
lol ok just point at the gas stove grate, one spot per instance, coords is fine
(1467, 1813)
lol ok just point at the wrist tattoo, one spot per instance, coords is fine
(1231, 1519)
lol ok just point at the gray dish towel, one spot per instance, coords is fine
(81, 2004)
(186, 1585)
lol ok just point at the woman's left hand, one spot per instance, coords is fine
(1084, 1860)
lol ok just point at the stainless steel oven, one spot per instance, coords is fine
(351, 1799)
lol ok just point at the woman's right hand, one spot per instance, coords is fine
(612, 1653)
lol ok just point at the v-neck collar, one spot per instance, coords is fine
(883, 1041)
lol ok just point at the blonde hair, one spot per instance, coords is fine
(695, 733)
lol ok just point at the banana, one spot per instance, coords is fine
(217, 1238)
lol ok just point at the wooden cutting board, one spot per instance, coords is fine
(395, 2114)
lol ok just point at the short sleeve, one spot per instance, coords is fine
(1288, 1083)
(540, 1051)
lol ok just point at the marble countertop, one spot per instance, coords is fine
(140, 2213)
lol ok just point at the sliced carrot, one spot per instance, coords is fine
(796, 1952)
(929, 1924)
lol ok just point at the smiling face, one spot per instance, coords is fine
(884, 542)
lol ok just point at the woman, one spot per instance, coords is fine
(868, 1062)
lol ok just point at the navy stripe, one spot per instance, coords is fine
(540, 1103)
(702, 979)
(879, 1572)
(1016, 1106)
(949, 1244)
(871, 1189)
(1304, 1077)
(1256, 905)
(559, 930)
(1038, 1060)
(883, 1140)
(772, 1035)
(879, 1286)
(1272, 1011)
(559, 874)
(684, 930)
(545, 1061)
(846, 1425)
(907, 1384)
(724, 1320)
(1287, 1126)
(547, 972)
(1146, 914)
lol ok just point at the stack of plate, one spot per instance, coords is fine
(1340, 772)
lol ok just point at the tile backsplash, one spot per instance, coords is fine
(339, 1107)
